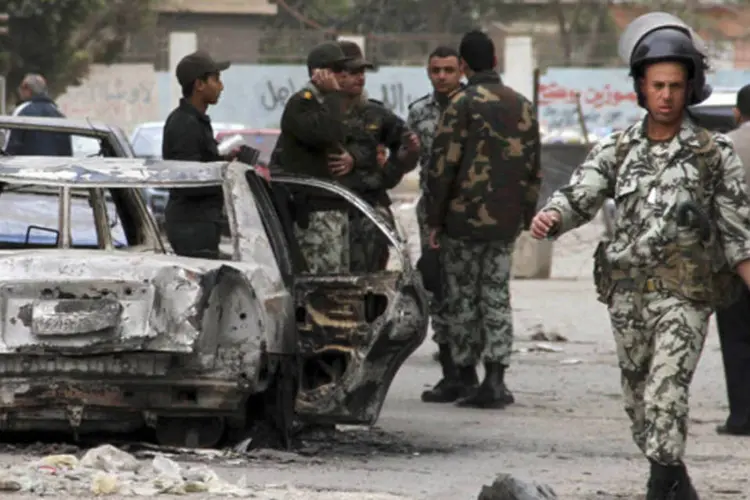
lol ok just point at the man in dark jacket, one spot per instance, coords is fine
(482, 187)
(193, 216)
(370, 124)
(36, 102)
(312, 136)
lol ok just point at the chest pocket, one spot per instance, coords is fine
(626, 188)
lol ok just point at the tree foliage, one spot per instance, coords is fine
(60, 39)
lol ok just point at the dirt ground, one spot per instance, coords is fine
(567, 428)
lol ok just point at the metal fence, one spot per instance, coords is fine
(275, 46)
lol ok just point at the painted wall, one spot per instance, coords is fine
(127, 94)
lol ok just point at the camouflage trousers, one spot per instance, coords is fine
(325, 242)
(477, 300)
(659, 339)
(439, 324)
(368, 246)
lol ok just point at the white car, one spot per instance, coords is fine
(147, 137)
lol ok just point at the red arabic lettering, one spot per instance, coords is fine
(553, 93)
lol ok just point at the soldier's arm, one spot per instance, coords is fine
(732, 209)
(445, 160)
(398, 163)
(366, 174)
(313, 123)
(590, 184)
(534, 179)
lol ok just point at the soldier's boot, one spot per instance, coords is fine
(670, 482)
(448, 389)
(492, 393)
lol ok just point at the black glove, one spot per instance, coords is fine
(248, 155)
(432, 273)
(691, 215)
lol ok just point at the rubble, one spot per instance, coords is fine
(507, 487)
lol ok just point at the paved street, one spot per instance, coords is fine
(567, 429)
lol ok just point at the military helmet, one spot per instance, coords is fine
(661, 37)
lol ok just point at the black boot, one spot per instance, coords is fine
(492, 393)
(670, 482)
(448, 389)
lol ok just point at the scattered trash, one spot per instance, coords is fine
(541, 335)
(507, 487)
(571, 362)
(107, 470)
(542, 347)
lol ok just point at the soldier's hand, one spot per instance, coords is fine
(411, 141)
(382, 157)
(340, 164)
(434, 244)
(543, 222)
(324, 79)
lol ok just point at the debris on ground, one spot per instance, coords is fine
(540, 347)
(107, 470)
(540, 335)
(571, 361)
(507, 487)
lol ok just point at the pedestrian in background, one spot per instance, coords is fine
(733, 321)
(193, 216)
(35, 101)
(444, 72)
(482, 188)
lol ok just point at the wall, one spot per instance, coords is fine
(121, 94)
(127, 94)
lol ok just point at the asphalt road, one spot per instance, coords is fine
(567, 428)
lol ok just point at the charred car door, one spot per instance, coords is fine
(355, 329)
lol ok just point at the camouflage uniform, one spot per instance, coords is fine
(369, 124)
(482, 187)
(424, 114)
(659, 326)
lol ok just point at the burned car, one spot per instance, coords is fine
(103, 329)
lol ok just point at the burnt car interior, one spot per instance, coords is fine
(36, 218)
(335, 315)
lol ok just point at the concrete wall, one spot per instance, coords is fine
(126, 94)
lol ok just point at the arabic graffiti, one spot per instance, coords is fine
(122, 94)
(127, 94)
(276, 95)
(555, 94)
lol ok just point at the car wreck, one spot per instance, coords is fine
(104, 329)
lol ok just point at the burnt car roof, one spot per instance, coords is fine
(111, 172)
(81, 127)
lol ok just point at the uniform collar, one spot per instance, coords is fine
(188, 107)
(690, 134)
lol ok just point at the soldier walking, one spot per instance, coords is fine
(482, 187)
(444, 72)
(667, 265)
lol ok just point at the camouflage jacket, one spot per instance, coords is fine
(648, 181)
(369, 123)
(483, 175)
(424, 114)
(311, 128)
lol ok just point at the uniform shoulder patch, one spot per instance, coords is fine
(307, 95)
(426, 96)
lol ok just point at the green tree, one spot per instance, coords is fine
(60, 39)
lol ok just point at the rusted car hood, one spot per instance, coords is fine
(83, 302)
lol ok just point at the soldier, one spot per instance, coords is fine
(370, 124)
(312, 136)
(733, 321)
(482, 187)
(661, 273)
(444, 72)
